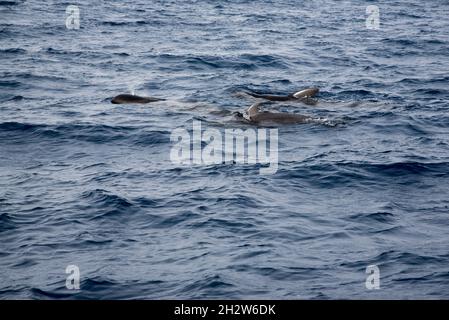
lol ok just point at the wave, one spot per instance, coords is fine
(95, 133)
(17, 126)
(6, 222)
(347, 173)
(10, 84)
(434, 92)
(12, 98)
(12, 51)
(210, 287)
(106, 201)
(129, 23)
(96, 287)
(382, 217)
(10, 3)
(240, 62)
(408, 258)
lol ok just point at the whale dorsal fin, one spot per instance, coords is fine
(253, 110)
(306, 93)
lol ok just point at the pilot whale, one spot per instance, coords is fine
(130, 98)
(300, 95)
(254, 115)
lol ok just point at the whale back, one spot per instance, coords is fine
(279, 118)
(306, 93)
(129, 98)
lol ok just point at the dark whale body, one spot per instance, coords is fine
(303, 94)
(279, 117)
(273, 118)
(253, 115)
(129, 98)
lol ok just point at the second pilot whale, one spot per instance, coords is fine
(130, 98)
(255, 116)
(300, 95)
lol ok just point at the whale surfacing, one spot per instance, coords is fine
(130, 98)
(306, 93)
(254, 115)
(300, 95)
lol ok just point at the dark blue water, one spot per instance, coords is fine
(89, 183)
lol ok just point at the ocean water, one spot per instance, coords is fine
(88, 183)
